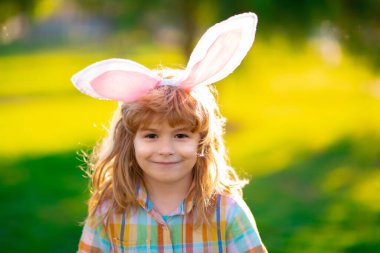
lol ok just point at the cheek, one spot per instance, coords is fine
(140, 149)
(191, 150)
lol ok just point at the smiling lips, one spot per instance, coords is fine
(165, 163)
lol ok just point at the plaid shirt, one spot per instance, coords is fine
(232, 229)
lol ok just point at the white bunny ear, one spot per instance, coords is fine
(220, 50)
(115, 79)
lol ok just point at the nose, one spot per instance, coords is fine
(166, 147)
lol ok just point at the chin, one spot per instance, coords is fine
(167, 179)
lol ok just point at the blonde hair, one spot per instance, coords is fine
(115, 173)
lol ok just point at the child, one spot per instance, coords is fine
(161, 179)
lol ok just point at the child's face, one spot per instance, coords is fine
(166, 154)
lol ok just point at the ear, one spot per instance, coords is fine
(220, 50)
(115, 79)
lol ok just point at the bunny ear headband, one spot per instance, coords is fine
(217, 54)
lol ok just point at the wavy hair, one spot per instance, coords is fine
(115, 173)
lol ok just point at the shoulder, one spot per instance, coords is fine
(231, 199)
(94, 236)
(100, 215)
(234, 205)
(108, 214)
(104, 207)
(241, 231)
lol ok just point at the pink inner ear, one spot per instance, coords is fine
(123, 85)
(216, 58)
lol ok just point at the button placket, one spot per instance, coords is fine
(166, 234)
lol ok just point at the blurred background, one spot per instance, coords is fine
(302, 108)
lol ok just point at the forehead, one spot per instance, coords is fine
(158, 122)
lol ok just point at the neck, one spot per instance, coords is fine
(166, 197)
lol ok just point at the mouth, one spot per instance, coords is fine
(165, 163)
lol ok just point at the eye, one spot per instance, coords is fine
(181, 136)
(150, 136)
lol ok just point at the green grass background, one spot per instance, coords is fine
(302, 125)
